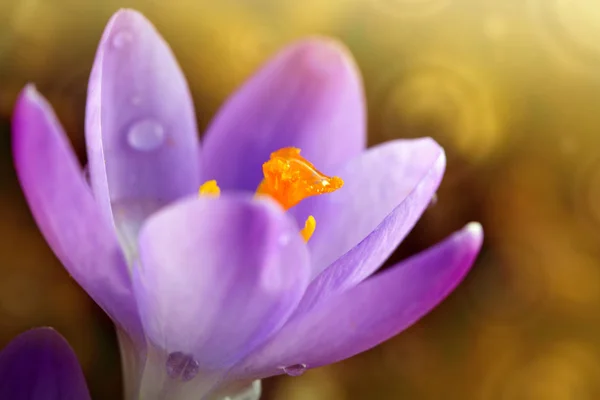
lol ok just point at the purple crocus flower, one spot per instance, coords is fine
(211, 294)
(40, 365)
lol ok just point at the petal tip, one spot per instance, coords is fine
(47, 333)
(30, 100)
(474, 228)
(30, 94)
(326, 44)
(322, 55)
(40, 363)
(126, 19)
(430, 141)
(125, 14)
(29, 107)
(42, 339)
(440, 162)
(30, 90)
(473, 234)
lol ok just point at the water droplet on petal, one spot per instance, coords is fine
(182, 366)
(295, 370)
(121, 39)
(191, 371)
(146, 135)
(175, 364)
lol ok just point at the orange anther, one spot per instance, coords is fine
(289, 178)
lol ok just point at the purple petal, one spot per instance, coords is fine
(219, 276)
(309, 96)
(395, 180)
(140, 124)
(366, 257)
(66, 212)
(40, 365)
(370, 312)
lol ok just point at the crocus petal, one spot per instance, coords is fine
(309, 96)
(395, 180)
(218, 277)
(140, 124)
(40, 365)
(66, 212)
(371, 312)
(366, 257)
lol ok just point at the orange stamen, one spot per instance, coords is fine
(290, 178)
(309, 228)
(209, 188)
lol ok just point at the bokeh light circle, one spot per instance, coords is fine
(411, 9)
(570, 31)
(508, 288)
(565, 370)
(452, 104)
(585, 195)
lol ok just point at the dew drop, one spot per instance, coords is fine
(191, 371)
(182, 366)
(295, 370)
(121, 39)
(146, 135)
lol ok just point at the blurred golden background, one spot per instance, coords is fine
(511, 88)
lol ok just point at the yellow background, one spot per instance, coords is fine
(511, 88)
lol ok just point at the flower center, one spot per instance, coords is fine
(288, 178)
